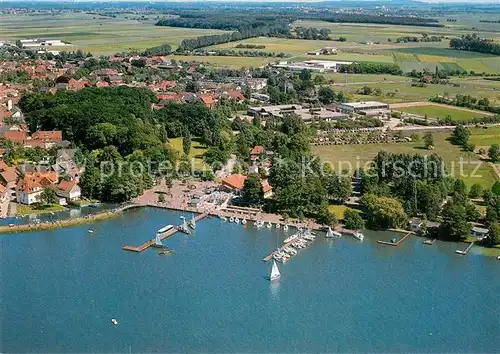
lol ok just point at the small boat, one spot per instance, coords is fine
(166, 252)
(244, 222)
(231, 219)
(158, 243)
(165, 229)
(259, 224)
(393, 240)
(113, 321)
(222, 217)
(90, 231)
(285, 228)
(278, 225)
(236, 220)
(359, 236)
(498, 257)
(275, 272)
(269, 225)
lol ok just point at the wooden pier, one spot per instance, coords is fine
(163, 236)
(395, 243)
(465, 251)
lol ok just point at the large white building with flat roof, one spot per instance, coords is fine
(362, 106)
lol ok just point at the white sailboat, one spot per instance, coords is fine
(332, 234)
(275, 272)
(158, 242)
(192, 223)
(285, 228)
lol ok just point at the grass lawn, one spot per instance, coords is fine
(343, 156)
(22, 209)
(485, 137)
(230, 62)
(441, 112)
(196, 152)
(338, 210)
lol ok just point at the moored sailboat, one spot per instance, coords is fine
(158, 243)
(332, 234)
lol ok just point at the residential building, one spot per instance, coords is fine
(236, 182)
(479, 232)
(69, 190)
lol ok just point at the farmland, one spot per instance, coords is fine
(485, 137)
(96, 34)
(360, 155)
(433, 111)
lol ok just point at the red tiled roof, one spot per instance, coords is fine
(9, 174)
(207, 99)
(15, 136)
(235, 181)
(257, 150)
(101, 84)
(66, 186)
(50, 135)
(236, 95)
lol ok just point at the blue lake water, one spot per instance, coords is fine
(60, 289)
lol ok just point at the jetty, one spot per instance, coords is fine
(165, 235)
(465, 251)
(397, 243)
(294, 239)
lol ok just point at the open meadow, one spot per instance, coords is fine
(94, 33)
(433, 111)
(361, 155)
(196, 152)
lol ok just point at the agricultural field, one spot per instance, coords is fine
(226, 61)
(433, 111)
(404, 92)
(94, 33)
(361, 155)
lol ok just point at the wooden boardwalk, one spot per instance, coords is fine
(395, 243)
(163, 236)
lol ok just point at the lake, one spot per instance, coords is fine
(61, 288)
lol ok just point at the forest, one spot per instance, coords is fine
(474, 43)
(386, 20)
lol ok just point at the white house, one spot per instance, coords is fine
(69, 190)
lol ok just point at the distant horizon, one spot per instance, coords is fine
(448, 2)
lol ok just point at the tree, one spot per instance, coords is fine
(192, 86)
(459, 191)
(428, 140)
(384, 212)
(305, 75)
(353, 220)
(186, 143)
(495, 189)
(161, 198)
(475, 191)
(460, 135)
(342, 39)
(326, 95)
(493, 234)
(494, 153)
(455, 226)
(48, 195)
(339, 188)
(473, 213)
(325, 216)
(252, 188)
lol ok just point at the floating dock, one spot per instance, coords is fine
(395, 243)
(429, 242)
(168, 234)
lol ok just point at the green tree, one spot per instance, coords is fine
(252, 188)
(186, 143)
(353, 220)
(48, 195)
(495, 189)
(428, 140)
(325, 216)
(455, 225)
(305, 75)
(339, 188)
(460, 135)
(384, 212)
(494, 153)
(493, 234)
(161, 197)
(475, 191)
(473, 213)
(326, 94)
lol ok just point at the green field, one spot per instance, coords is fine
(485, 137)
(223, 61)
(441, 112)
(196, 152)
(96, 34)
(360, 155)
